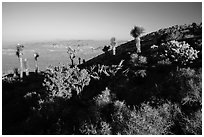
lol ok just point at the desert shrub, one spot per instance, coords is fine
(96, 122)
(104, 104)
(102, 128)
(64, 81)
(104, 98)
(119, 118)
(149, 120)
(165, 118)
(11, 77)
(34, 100)
(180, 52)
(164, 61)
(105, 128)
(183, 86)
(193, 124)
(137, 60)
(187, 124)
(88, 128)
(190, 83)
(59, 109)
(143, 121)
(9, 80)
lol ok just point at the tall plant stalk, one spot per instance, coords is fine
(136, 33)
(26, 67)
(71, 53)
(113, 44)
(19, 54)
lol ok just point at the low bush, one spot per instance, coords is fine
(65, 82)
(143, 121)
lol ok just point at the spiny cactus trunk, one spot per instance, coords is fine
(114, 50)
(26, 67)
(138, 46)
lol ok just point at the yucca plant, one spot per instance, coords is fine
(19, 54)
(25, 64)
(113, 44)
(36, 56)
(136, 33)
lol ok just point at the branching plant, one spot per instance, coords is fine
(65, 82)
(72, 54)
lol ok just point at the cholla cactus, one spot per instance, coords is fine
(65, 82)
(136, 32)
(180, 52)
(36, 56)
(19, 54)
(25, 64)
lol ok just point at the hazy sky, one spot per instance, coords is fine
(51, 21)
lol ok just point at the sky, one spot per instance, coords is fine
(34, 21)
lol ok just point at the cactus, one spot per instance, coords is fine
(136, 33)
(25, 64)
(19, 54)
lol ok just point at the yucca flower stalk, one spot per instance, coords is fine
(19, 54)
(136, 33)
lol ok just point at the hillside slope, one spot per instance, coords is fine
(192, 34)
(158, 92)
